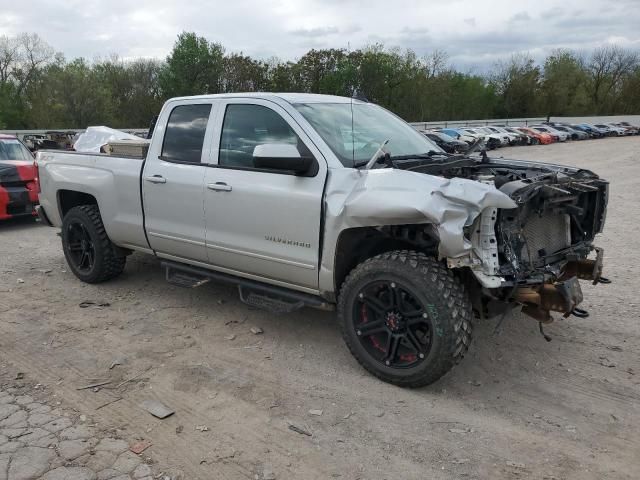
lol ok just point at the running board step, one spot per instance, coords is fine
(271, 303)
(183, 279)
(254, 293)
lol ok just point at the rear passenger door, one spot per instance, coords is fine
(173, 181)
(262, 224)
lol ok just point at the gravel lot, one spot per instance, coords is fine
(517, 407)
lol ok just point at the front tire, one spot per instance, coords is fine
(87, 248)
(405, 318)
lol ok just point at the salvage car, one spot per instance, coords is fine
(492, 140)
(604, 131)
(556, 134)
(573, 133)
(447, 143)
(539, 137)
(617, 130)
(525, 138)
(631, 128)
(592, 132)
(514, 138)
(18, 182)
(460, 135)
(37, 142)
(331, 202)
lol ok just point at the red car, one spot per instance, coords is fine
(543, 138)
(18, 179)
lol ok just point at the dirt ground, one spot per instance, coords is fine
(517, 406)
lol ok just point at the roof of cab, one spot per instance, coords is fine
(287, 97)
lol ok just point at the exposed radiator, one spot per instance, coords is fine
(546, 235)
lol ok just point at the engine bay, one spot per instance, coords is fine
(559, 211)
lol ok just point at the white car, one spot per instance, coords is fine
(561, 136)
(503, 139)
(615, 129)
(459, 135)
(513, 138)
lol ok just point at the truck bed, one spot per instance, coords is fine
(114, 182)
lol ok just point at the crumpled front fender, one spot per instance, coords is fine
(389, 196)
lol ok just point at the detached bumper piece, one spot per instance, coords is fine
(539, 301)
(562, 296)
(587, 269)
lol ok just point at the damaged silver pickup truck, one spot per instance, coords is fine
(330, 202)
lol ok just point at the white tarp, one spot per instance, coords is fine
(95, 137)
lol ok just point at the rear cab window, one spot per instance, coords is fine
(185, 132)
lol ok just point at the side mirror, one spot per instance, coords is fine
(281, 156)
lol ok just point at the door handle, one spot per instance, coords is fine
(219, 187)
(156, 179)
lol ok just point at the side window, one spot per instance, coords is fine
(184, 136)
(246, 126)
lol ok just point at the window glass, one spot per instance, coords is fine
(184, 136)
(354, 132)
(11, 149)
(246, 126)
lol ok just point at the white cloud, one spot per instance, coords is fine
(473, 33)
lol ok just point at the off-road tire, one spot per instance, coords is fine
(109, 262)
(432, 284)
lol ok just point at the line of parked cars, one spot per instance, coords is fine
(52, 140)
(459, 139)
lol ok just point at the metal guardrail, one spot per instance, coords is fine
(513, 122)
(520, 122)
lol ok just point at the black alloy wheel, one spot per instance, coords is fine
(91, 255)
(82, 251)
(392, 324)
(405, 317)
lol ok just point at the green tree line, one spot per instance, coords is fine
(42, 89)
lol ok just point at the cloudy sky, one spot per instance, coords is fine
(474, 33)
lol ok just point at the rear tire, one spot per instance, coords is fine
(87, 248)
(423, 336)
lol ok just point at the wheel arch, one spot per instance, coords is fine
(67, 199)
(355, 245)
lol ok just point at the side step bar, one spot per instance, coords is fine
(256, 294)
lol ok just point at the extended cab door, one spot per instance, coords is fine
(173, 180)
(262, 223)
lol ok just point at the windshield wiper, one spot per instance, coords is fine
(380, 153)
(420, 156)
(392, 158)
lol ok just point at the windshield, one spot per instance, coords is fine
(355, 138)
(12, 149)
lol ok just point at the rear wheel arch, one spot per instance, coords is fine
(67, 199)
